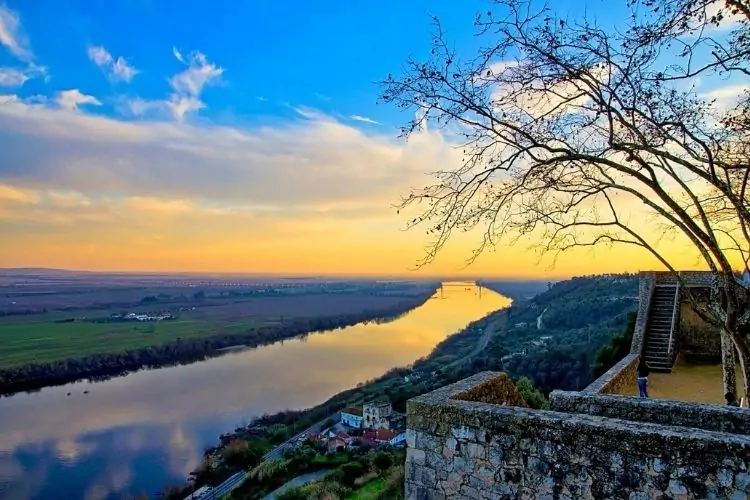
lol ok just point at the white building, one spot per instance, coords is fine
(376, 415)
(352, 416)
(398, 439)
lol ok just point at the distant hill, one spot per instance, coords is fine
(516, 290)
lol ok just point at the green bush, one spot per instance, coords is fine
(528, 392)
(383, 461)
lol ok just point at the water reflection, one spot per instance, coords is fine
(135, 434)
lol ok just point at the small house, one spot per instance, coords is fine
(352, 417)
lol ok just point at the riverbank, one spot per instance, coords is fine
(32, 377)
(398, 385)
(504, 340)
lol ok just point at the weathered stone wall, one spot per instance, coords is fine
(688, 278)
(699, 341)
(498, 390)
(464, 449)
(617, 379)
(646, 285)
(718, 418)
(697, 278)
(622, 375)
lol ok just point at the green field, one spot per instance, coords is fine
(370, 491)
(45, 341)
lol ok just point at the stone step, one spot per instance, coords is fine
(657, 341)
(655, 334)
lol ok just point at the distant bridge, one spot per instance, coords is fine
(459, 283)
(462, 284)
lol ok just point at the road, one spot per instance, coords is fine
(315, 428)
(224, 488)
(484, 340)
(296, 482)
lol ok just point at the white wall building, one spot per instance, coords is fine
(376, 415)
(352, 417)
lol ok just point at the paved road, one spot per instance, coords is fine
(224, 488)
(484, 340)
(296, 482)
(315, 428)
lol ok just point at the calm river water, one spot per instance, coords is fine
(132, 435)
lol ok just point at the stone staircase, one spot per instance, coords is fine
(656, 350)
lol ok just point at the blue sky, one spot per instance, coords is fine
(193, 135)
(320, 54)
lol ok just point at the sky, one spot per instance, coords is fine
(231, 137)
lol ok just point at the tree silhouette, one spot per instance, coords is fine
(564, 125)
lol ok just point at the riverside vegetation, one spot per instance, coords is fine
(585, 322)
(56, 346)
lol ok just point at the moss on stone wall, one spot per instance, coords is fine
(499, 390)
(458, 449)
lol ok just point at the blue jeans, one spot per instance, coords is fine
(642, 387)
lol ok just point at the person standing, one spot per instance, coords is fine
(642, 379)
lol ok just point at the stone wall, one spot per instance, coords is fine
(622, 375)
(464, 449)
(618, 378)
(699, 341)
(646, 285)
(718, 418)
(688, 278)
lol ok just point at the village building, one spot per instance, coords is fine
(376, 415)
(352, 416)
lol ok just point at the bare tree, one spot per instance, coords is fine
(565, 124)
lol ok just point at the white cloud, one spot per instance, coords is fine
(305, 163)
(71, 99)
(177, 54)
(360, 118)
(729, 20)
(115, 69)
(726, 97)
(186, 85)
(12, 77)
(176, 106)
(16, 77)
(198, 74)
(12, 36)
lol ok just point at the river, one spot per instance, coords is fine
(132, 435)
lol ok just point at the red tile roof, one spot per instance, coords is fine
(384, 435)
(336, 442)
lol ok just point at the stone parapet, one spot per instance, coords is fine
(460, 449)
(618, 378)
(708, 417)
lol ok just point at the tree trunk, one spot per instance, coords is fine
(743, 354)
(727, 362)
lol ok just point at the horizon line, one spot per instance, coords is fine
(422, 277)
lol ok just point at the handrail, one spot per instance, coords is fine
(674, 320)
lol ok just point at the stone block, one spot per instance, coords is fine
(742, 482)
(415, 456)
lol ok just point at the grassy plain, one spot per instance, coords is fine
(32, 308)
(43, 341)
